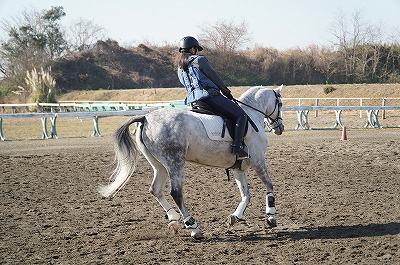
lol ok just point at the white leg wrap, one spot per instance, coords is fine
(240, 209)
(173, 215)
(270, 203)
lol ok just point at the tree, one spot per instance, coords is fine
(83, 34)
(225, 36)
(35, 38)
(357, 43)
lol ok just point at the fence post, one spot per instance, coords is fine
(383, 111)
(2, 138)
(54, 126)
(44, 128)
(96, 130)
(316, 104)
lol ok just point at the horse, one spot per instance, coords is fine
(169, 137)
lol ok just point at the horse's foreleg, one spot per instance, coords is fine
(270, 209)
(241, 181)
(177, 195)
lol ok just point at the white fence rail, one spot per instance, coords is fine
(102, 109)
(371, 122)
(53, 117)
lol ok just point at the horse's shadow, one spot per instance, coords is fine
(320, 232)
(339, 232)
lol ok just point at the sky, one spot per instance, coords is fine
(280, 24)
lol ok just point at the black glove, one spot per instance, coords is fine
(227, 93)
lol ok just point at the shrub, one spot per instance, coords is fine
(5, 88)
(328, 89)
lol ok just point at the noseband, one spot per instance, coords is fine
(272, 123)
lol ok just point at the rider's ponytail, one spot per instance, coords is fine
(184, 61)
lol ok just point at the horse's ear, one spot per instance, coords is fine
(279, 89)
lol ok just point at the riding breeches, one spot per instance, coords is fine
(224, 106)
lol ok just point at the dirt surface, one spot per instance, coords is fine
(337, 201)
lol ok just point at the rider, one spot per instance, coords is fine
(205, 85)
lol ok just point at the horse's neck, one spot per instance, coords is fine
(256, 116)
(249, 97)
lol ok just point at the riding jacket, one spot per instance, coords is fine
(200, 81)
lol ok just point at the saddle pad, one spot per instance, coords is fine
(213, 125)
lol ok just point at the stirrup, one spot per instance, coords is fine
(239, 151)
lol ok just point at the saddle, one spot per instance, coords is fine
(204, 108)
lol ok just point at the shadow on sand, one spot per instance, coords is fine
(338, 232)
(321, 232)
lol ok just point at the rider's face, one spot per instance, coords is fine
(193, 50)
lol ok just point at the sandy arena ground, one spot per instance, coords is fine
(337, 201)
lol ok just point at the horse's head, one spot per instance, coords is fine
(273, 114)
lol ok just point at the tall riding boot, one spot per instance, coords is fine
(237, 145)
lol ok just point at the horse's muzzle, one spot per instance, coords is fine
(279, 130)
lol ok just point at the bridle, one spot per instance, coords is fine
(272, 123)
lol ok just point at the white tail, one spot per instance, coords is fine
(125, 160)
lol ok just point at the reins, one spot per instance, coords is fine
(273, 123)
(247, 105)
(260, 111)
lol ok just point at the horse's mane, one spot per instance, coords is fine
(250, 95)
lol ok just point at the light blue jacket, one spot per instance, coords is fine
(198, 84)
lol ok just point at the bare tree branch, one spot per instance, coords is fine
(225, 36)
(83, 34)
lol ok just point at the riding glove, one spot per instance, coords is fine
(227, 93)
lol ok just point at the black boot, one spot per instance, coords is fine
(237, 145)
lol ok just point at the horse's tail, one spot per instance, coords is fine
(125, 160)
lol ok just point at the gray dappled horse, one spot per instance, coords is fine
(169, 137)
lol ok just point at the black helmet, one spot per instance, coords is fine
(187, 43)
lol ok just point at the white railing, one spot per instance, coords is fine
(128, 108)
(371, 122)
(53, 117)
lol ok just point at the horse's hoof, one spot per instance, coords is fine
(232, 219)
(197, 234)
(271, 220)
(174, 226)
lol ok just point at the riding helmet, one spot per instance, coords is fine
(187, 43)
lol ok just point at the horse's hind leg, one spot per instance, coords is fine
(161, 176)
(157, 189)
(242, 182)
(177, 194)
